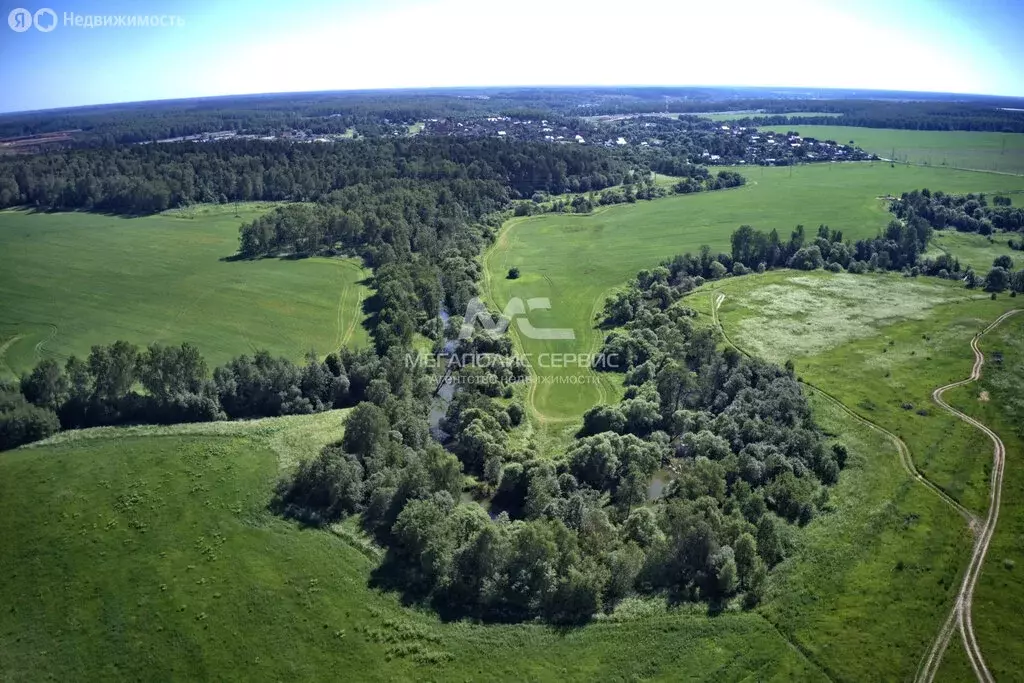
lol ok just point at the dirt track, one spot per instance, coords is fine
(960, 615)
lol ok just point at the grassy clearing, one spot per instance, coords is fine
(71, 280)
(148, 551)
(787, 314)
(576, 261)
(975, 250)
(291, 437)
(888, 372)
(1002, 152)
(154, 557)
(999, 596)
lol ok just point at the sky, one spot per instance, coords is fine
(226, 47)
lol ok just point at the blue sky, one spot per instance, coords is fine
(234, 47)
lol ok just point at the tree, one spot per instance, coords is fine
(513, 273)
(366, 428)
(46, 386)
(26, 423)
(997, 280)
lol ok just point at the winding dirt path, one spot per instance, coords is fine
(983, 530)
(961, 612)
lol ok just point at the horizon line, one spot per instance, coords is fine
(425, 89)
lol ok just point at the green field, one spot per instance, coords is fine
(884, 368)
(148, 553)
(999, 597)
(1002, 152)
(71, 280)
(975, 250)
(577, 260)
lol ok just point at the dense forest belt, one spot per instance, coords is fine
(965, 598)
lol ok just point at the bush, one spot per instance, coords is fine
(515, 414)
(513, 273)
(26, 423)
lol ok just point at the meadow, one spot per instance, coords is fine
(147, 552)
(997, 402)
(578, 260)
(1002, 152)
(71, 280)
(884, 368)
(737, 115)
(974, 250)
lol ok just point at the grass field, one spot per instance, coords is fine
(885, 368)
(975, 250)
(150, 554)
(71, 280)
(999, 596)
(576, 261)
(1002, 152)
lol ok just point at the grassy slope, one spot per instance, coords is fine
(841, 595)
(975, 250)
(859, 366)
(1003, 152)
(150, 554)
(999, 596)
(71, 280)
(576, 261)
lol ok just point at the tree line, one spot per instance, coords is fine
(121, 383)
(143, 179)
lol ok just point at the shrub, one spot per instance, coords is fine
(513, 273)
(26, 423)
(515, 414)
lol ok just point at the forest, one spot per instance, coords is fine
(143, 179)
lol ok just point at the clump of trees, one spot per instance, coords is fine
(965, 213)
(22, 421)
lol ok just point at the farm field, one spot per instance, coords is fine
(1002, 152)
(164, 279)
(578, 260)
(146, 552)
